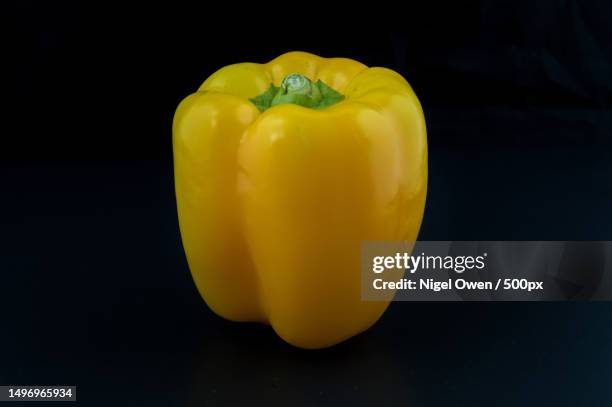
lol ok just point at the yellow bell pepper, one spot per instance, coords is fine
(281, 171)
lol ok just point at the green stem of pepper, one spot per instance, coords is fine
(299, 90)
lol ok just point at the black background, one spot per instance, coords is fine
(94, 288)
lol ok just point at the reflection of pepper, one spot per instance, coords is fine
(281, 170)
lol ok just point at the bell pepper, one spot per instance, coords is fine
(281, 171)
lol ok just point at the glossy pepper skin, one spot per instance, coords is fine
(273, 206)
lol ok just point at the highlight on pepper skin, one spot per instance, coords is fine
(281, 171)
